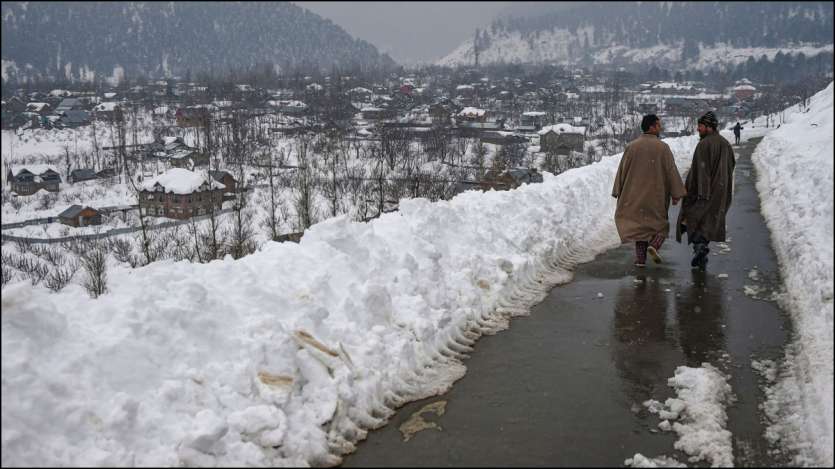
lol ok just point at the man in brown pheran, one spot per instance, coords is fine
(646, 180)
(709, 191)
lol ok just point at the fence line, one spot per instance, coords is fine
(47, 220)
(107, 234)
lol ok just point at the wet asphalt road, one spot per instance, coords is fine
(564, 386)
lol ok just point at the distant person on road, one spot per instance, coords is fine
(709, 187)
(737, 132)
(646, 180)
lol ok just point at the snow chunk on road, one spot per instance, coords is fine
(703, 392)
(698, 415)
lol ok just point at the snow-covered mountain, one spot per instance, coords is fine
(685, 34)
(82, 40)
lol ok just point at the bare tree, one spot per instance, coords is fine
(59, 276)
(6, 272)
(331, 186)
(149, 250)
(273, 218)
(67, 163)
(195, 236)
(304, 185)
(479, 156)
(122, 251)
(213, 237)
(95, 144)
(94, 262)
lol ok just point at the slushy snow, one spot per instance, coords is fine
(698, 417)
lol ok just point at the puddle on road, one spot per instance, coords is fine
(416, 423)
(765, 287)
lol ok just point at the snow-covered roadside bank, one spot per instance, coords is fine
(795, 181)
(286, 356)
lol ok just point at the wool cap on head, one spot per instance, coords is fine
(709, 120)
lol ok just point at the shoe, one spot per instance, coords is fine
(654, 254)
(700, 258)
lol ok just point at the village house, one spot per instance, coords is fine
(79, 216)
(531, 121)
(684, 106)
(12, 113)
(471, 114)
(291, 107)
(507, 179)
(473, 121)
(177, 154)
(109, 111)
(81, 174)
(360, 94)
(39, 108)
(377, 113)
(179, 193)
(224, 178)
(314, 89)
(69, 104)
(648, 108)
(440, 114)
(499, 137)
(744, 91)
(106, 173)
(26, 180)
(561, 139)
(193, 116)
(74, 118)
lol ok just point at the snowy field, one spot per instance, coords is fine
(286, 356)
(795, 170)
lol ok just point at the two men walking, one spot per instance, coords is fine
(647, 180)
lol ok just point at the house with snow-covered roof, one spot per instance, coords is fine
(531, 121)
(562, 139)
(39, 108)
(110, 110)
(290, 106)
(179, 193)
(28, 179)
(472, 114)
(744, 91)
(360, 94)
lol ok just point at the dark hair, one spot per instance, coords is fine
(648, 121)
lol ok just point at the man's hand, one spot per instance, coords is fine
(675, 201)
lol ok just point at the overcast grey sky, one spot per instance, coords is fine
(409, 31)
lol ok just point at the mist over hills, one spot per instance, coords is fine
(84, 40)
(686, 34)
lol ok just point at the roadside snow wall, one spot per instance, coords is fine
(794, 170)
(289, 355)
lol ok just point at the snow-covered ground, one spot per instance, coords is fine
(286, 356)
(795, 171)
